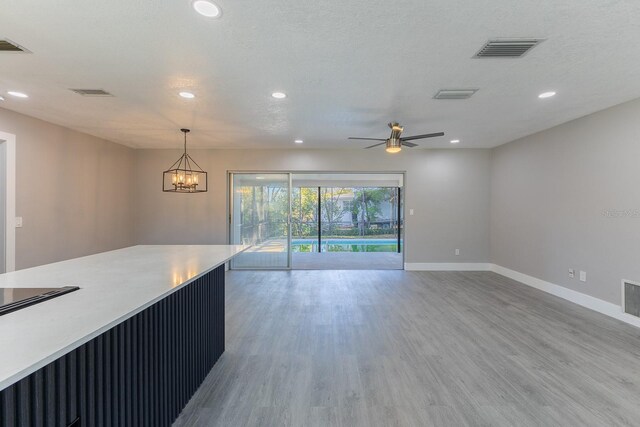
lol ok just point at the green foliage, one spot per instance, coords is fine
(264, 210)
(304, 207)
(333, 207)
(366, 205)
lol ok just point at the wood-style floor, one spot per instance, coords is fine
(397, 348)
(346, 261)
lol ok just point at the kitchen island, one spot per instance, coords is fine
(129, 347)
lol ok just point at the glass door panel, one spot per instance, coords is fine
(304, 219)
(336, 217)
(260, 209)
(360, 219)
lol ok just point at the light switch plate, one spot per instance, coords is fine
(583, 276)
(457, 251)
(410, 211)
(18, 222)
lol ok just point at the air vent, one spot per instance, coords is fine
(91, 92)
(455, 93)
(9, 46)
(507, 48)
(631, 297)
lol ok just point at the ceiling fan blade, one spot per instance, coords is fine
(409, 144)
(375, 145)
(367, 139)
(427, 135)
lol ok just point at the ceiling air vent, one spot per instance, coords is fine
(91, 92)
(9, 46)
(507, 48)
(455, 93)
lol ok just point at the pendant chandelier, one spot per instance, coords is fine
(185, 175)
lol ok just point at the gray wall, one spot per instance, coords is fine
(569, 197)
(3, 178)
(448, 190)
(74, 192)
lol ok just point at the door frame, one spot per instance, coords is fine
(230, 173)
(9, 142)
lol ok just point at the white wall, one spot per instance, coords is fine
(73, 191)
(569, 197)
(448, 190)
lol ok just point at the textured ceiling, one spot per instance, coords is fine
(349, 67)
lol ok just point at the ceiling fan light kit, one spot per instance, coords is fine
(394, 145)
(395, 142)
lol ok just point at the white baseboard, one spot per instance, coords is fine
(595, 304)
(447, 266)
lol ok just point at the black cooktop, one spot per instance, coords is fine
(12, 299)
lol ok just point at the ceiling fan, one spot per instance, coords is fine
(395, 143)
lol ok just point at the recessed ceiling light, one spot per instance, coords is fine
(187, 95)
(18, 94)
(279, 95)
(455, 141)
(207, 8)
(546, 95)
(298, 141)
(259, 177)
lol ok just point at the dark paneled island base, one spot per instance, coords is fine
(141, 372)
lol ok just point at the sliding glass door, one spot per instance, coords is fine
(361, 219)
(260, 217)
(346, 219)
(305, 220)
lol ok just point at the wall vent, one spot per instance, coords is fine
(91, 92)
(631, 297)
(455, 93)
(507, 48)
(9, 46)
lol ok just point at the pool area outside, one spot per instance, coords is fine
(345, 245)
(337, 253)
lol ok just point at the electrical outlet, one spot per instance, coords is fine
(18, 222)
(583, 276)
(457, 251)
(572, 273)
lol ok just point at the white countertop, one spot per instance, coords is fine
(113, 285)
